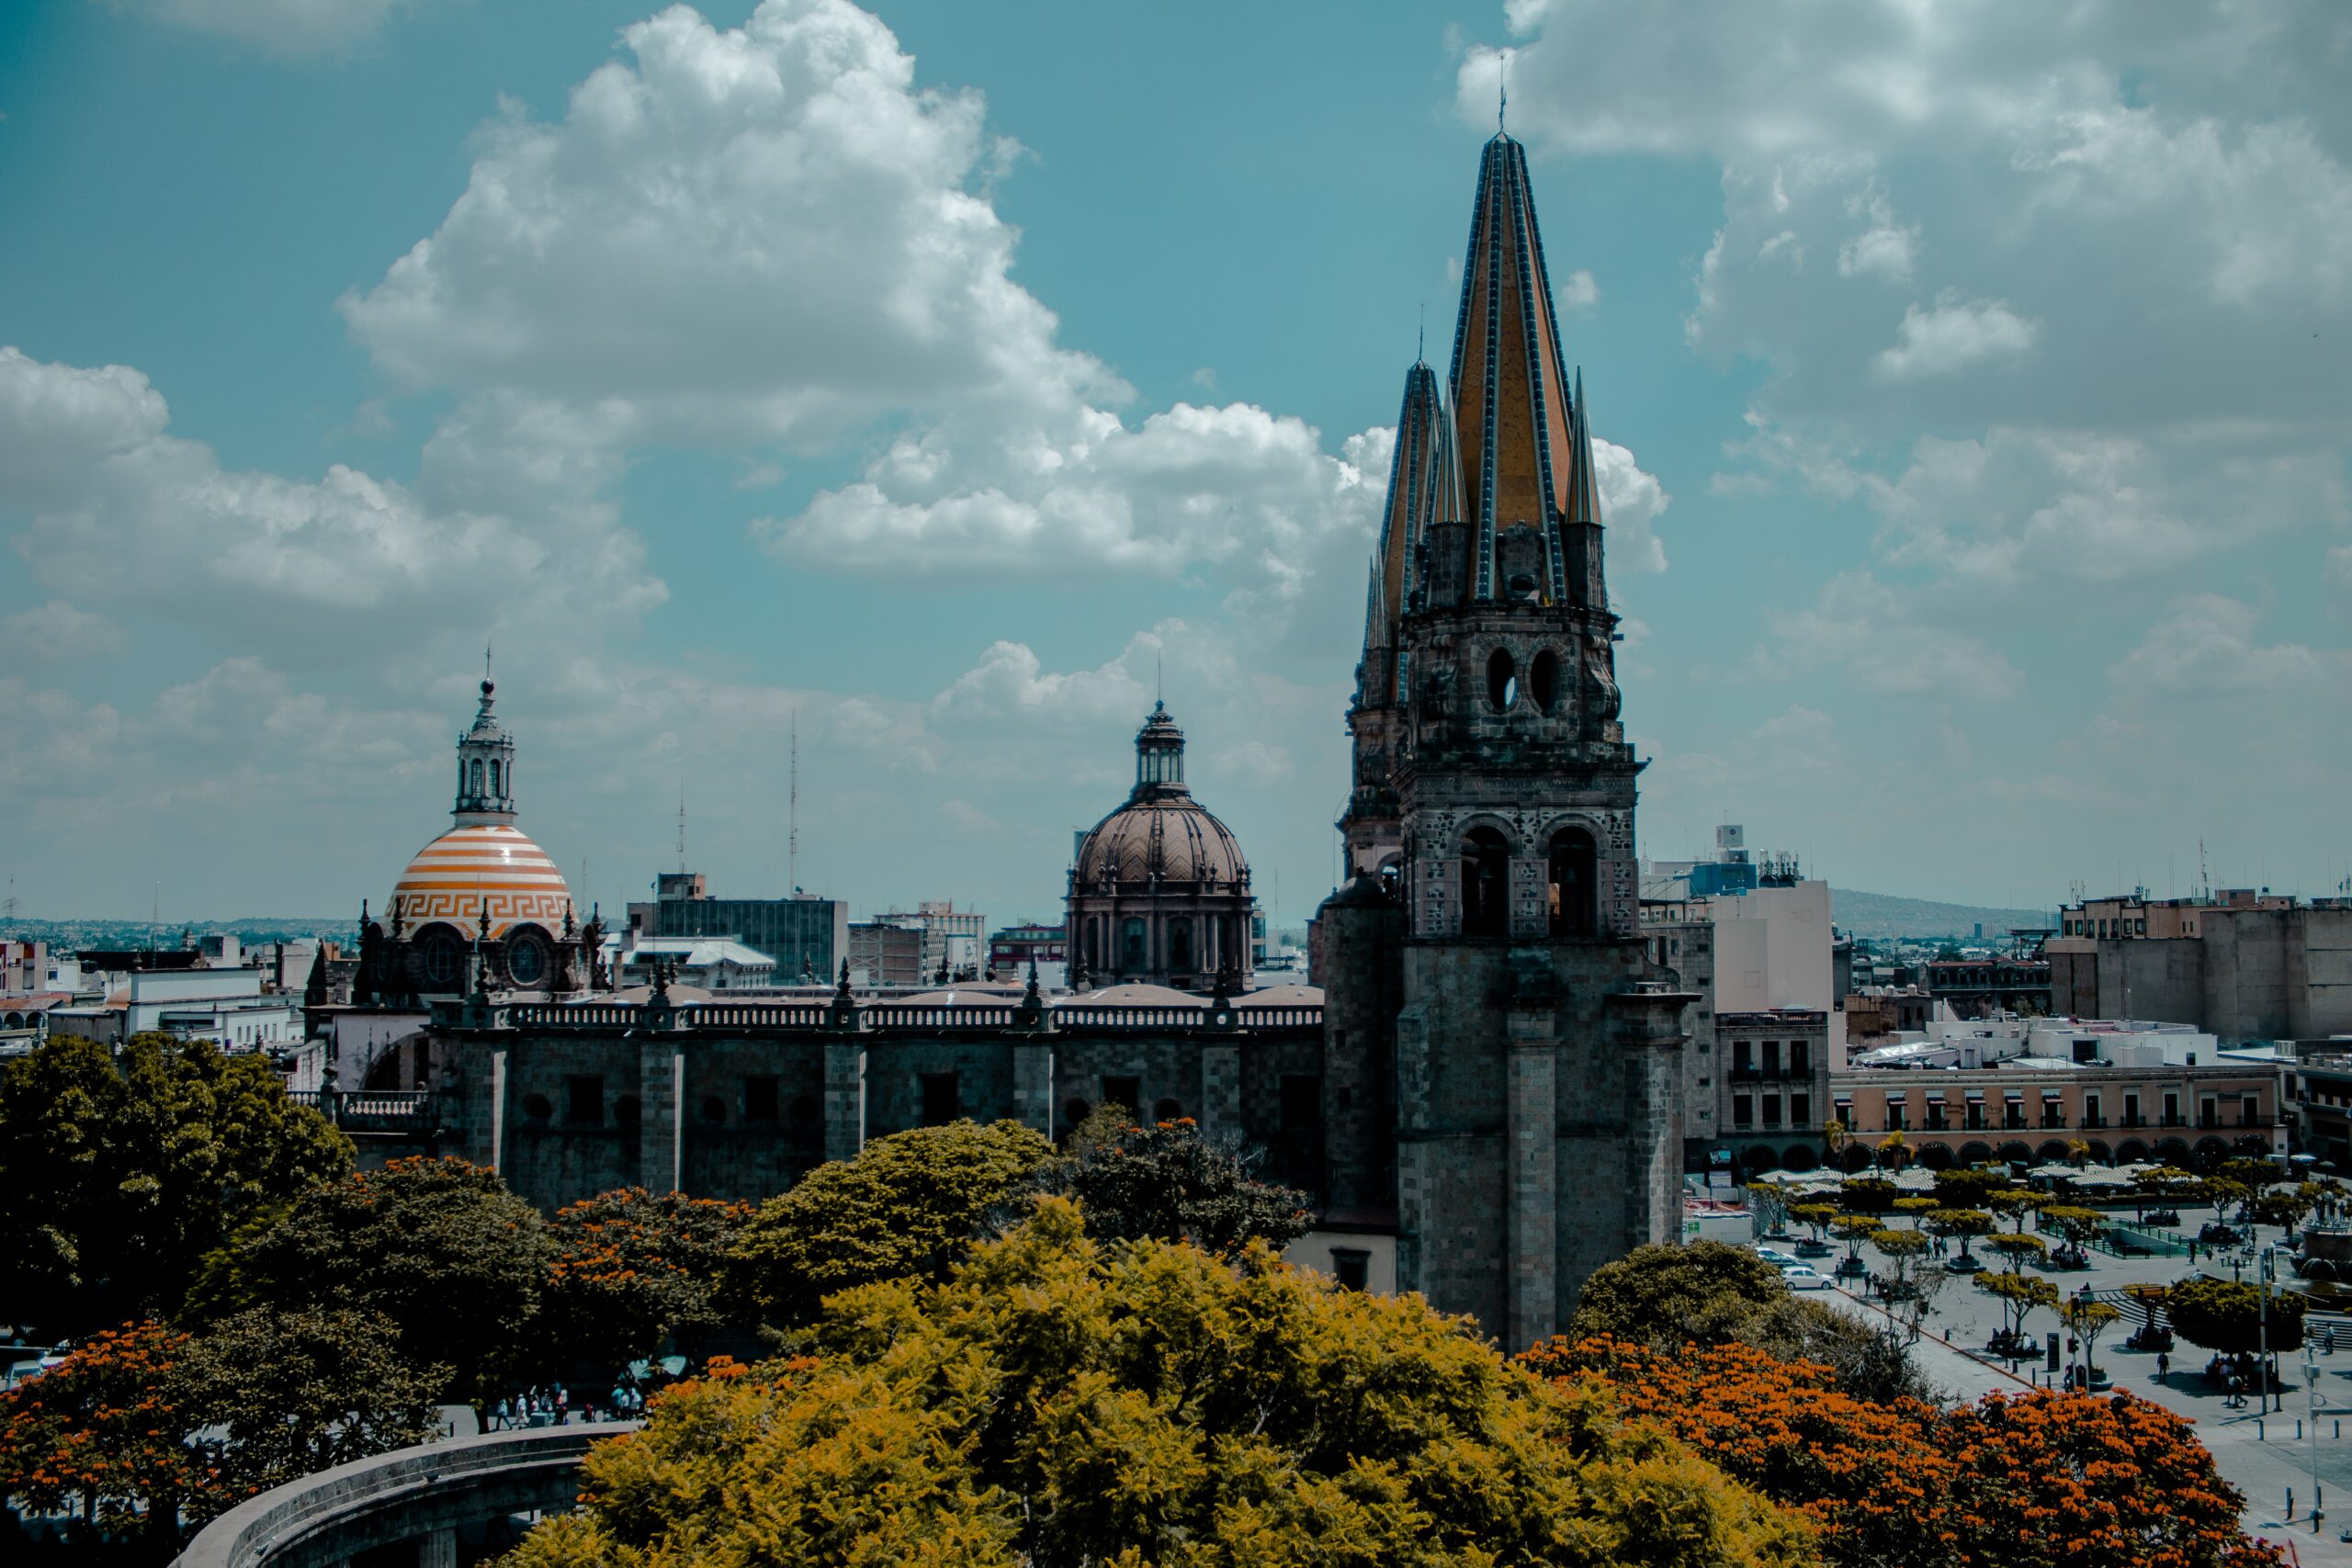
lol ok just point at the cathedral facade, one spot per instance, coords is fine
(1483, 1097)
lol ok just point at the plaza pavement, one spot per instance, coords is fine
(2261, 1455)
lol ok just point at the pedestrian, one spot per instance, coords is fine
(2327, 1340)
(2164, 1366)
(563, 1405)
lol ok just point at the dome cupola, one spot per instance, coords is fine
(485, 769)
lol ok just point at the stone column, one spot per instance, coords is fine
(661, 1088)
(1032, 1085)
(845, 1098)
(437, 1549)
(1413, 1152)
(1531, 1176)
(498, 1112)
(1649, 1027)
(1221, 1091)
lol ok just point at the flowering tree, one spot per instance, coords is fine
(2018, 1248)
(2037, 1481)
(632, 1271)
(105, 1431)
(2086, 1320)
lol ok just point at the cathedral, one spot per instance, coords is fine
(1480, 1090)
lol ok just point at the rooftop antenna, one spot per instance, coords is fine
(485, 659)
(682, 826)
(792, 814)
(1421, 336)
(1159, 678)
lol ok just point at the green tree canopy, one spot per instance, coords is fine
(1059, 1401)
(1169, 1183)
(1708, 1293)
(439, 1246)
(116, 1176)
(631, 1271)
(911, 1204)
(2225, 1316)
(269, 1396)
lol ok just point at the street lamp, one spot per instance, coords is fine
(2311, 1420)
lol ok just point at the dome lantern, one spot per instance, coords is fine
(485, 769)
(1160, 752)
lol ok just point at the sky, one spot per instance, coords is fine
(941, 382)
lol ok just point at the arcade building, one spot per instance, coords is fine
(1481, 1090)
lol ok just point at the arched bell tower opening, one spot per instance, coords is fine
(1486, 882)
(1572, 883)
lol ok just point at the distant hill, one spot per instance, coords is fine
(1883, 915)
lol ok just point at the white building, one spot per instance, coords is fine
(712, 963)
(223, 1004)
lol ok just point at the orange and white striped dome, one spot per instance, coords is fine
(452, 877)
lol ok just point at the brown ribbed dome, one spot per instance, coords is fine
(1167, 834)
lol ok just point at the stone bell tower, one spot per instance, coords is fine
(1537, 1127)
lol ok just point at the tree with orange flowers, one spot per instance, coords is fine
(105, 1432)
(633, 1270)
(2041, 1480)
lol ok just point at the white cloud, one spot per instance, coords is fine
(1010, 682)
(123, 514)
(57, 632)
(1577, 292)
(2203, 644)
(1631, 500)
(1955, 334)
(288, 27)
(1884, 250)
(1873, 632)
(771, 235)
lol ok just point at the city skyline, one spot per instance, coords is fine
(917, 385)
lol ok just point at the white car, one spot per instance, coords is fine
(1798, 1276)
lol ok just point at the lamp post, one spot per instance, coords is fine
(2311, 1422)
(2268, 1271)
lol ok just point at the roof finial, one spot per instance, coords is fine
(1502, 90)
(1159, 680)
(1421, 336)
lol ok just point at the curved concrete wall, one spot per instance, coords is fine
(406, 1494)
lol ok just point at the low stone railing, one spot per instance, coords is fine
(423, 1493)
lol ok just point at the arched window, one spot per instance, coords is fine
(1486, 884)
(1180, 945)
(1093, 942)
(1502, 680)
(476, 776)
(1544, 679)
(1134, 947)
(1575, 891)
(493, 777)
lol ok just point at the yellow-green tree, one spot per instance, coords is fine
(1059, 1401)
(1918, 1207)
(1959, 1224)
(1815, 1216)
(2087, 1321)
(2018, 1248)
(2021, 1296)
(910, 1203)
(2014, 1204)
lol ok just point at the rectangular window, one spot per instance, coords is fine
(1975, 1115)
(2209, 1112)
(1898, 1116)
(1772, 1058)
(2090, 1111)
(943, 1099)
(1125, 1093)
(2172, 1109)
(1801, 1058)
(1771, 1110)
(1800, 1110)
(1302, 1103)
(1743, 1056)
(1934, 1118)
(2249, 1111)
(759, 1099)
(2130, 1109)
(1352, 1267)
(583, 1102)
(1743, 1110)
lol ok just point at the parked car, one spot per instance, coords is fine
(1966, 1263)
(1773, 1256)
(1797, 1277)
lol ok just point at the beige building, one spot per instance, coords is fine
(2243, 965)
